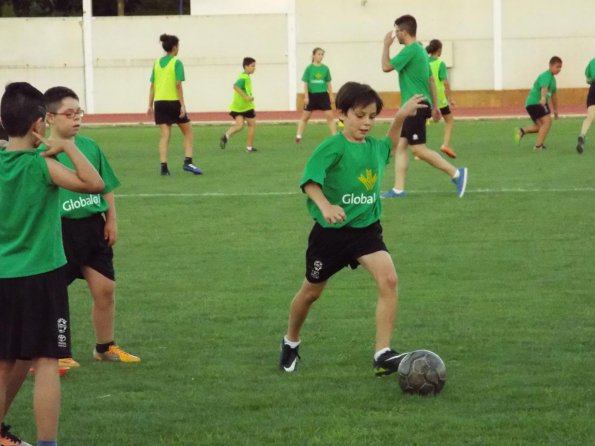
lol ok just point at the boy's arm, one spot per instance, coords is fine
(409, 108)
(543, 98)
(110, 230)
(306, 94)
(242, 93)
(331, 213)
(151, 98)
(387, 67)
(555, 104)
(181, 98)
(83, 179)
(329, 88)
(448, 93)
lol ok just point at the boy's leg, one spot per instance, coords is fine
(46, 398)
(17, 376)
(238, 126)
(300, 306)
(302, 125)
(251, 131)
(165, 133)
(588, 120)
(330, 121)
(6, 367)
(186, 129)
(381, 267)
(433, 159)
(545, 123)
(448, 126)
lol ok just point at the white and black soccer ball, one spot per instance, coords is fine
(422, 372)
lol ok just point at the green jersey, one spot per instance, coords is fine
(30, 228)
(166, 72)
(590, 71)
(544, 80)
(77, 205)
(317, 77)
(349, 174)
(438, 70)
(414, 71)
(239, 104)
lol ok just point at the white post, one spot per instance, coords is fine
(497, 16)
(291, 54)
(88, 56)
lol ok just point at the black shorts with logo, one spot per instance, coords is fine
(445, 111)
(85, 245)
(34, 317)
(249, 114)
(332, 249)
(168, 112)
(591, 95)
(318, 101)
(537, 111)
(414, 127)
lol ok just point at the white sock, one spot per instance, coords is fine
(292, 344)
(397, 191)
(298, 136)
(456, 175)
(380, 352)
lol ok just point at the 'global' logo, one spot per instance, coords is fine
(80, 202)
(359, 199)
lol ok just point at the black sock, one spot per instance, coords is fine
(188, 160)
(102, 348)
(163, 166)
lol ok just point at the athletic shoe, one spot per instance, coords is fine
(461, 181)
(388, 363)
(189, 167)
(68, 363)
(580, 144)
(289, 358)
(448, 151)
(392, 194)
(165, 172)
(115, 354)
(8, 439)
(223, 141)
(518, 135)
(251, 150)
(298, 140)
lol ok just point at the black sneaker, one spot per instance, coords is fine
(165, 172)
(189, 167)
(10, 439)
(289, 357)
(223, 141)
(580, 144)
(388, 363)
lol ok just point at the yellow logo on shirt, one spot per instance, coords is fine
(369, 181)
(318, 75)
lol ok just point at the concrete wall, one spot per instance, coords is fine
(49, 51)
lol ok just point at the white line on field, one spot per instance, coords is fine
(269, 194)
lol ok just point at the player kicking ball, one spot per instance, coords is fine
(342, 181)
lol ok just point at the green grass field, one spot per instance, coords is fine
(499, 283)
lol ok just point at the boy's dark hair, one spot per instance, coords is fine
(354, 94)
(248, 61)
(3, 134)
(22, 104)
(433, 46)
(554, 60)
(407, 23)
(54, 96)
(168, 42)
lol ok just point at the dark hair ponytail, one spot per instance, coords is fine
(168, 42)
(435, 45)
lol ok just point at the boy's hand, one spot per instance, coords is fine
(54, 146)
(410, 107)
(436, 115)
(110, 232)
(333, 214)
(389, 38)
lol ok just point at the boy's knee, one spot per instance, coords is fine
(389, 281)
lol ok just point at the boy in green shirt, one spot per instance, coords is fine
(242, 106)
(33, 293)
(415, 77)
(590, 75)
(537, 104)
(342, 181)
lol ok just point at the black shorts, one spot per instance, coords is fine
(591, 95)
(537, 111)
(168, 112)
(414, 127)
(34, 317)
(330, 250)
(318, 101)
(85, 245)
(445, 111)
(248, 114)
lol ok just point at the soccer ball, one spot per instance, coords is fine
(422, 372)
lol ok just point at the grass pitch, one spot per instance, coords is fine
(498, 283)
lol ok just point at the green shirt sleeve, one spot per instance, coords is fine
(241, 83)
(179, 68)
(322, 159)
(401, 60)
(306, 75)
(442, 73)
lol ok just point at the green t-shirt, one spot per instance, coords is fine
(590, 71)
(167, 75)
(317, 78)
(30, 228)
(544, 80)
(414, 71)
(349, 174)
(438, 70)
(239, 104)
(77, 205)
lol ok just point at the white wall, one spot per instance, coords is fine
(49, 51)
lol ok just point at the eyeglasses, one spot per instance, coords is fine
(71, 114)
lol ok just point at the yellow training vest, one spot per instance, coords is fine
(164, 81)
